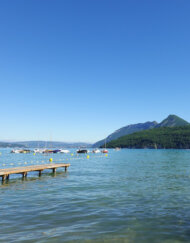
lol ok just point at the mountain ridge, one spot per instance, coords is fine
(11, 145)
(157, 138)
(170, 121)
(53, 144)
(173, 121)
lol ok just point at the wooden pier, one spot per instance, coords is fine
(4, 173)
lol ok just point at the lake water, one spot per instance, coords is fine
(129, 196)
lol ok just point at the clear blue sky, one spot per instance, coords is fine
(78, 70)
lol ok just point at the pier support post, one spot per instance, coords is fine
(3, 178)
(54, 170)
(24, 174)
(7, 177)
(40, 172)
(65, 168)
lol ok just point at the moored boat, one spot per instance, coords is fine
(82, 151)
(15, 151)
(21, 151)
(64, 151)
(40, 151)
(96, 151)
(25, 151)
(105, 151)
(117, 148)
(48, 151)
(56, 151)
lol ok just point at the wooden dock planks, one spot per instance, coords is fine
(4, 173)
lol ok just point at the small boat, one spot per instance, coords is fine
(64, 151)
(82, 151)
(21, 151)
(96, 151)
(56, 151)
(47, 151)
(40, 151)
(25, 151)
(15, 151)
(104, 151)
(117, 148)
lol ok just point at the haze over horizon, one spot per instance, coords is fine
(79, 70)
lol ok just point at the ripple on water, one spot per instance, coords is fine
(129, 196)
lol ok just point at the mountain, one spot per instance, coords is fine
(53, 144)
(172, 121)
(10, 145)
(162, 137)
(126, 130)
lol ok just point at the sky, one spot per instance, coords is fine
(78, 70)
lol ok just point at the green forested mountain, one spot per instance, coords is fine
(163, 137)
(125, 131)
(170, 121)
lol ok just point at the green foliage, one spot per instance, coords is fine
(173, 121)
(163, 137)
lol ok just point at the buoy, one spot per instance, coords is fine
(106, 155)
(71, 154)
(87, 156)
(34, 154)
(50, 160)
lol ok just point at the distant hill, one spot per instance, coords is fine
(163, 137)
(125, 131)
(173, 121)
(53, 144)
(170, 121)
(11, 145)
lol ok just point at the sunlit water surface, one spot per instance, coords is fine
(129, 196)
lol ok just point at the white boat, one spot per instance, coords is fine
(64, 151)
(16, 151)
(40, 151)
(96, 151)
(117, 149)
(21, 151)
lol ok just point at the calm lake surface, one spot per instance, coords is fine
(129, 196)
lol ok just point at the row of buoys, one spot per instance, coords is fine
(88, 156)
(71, 155)
(77, 158)
(51, 160)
